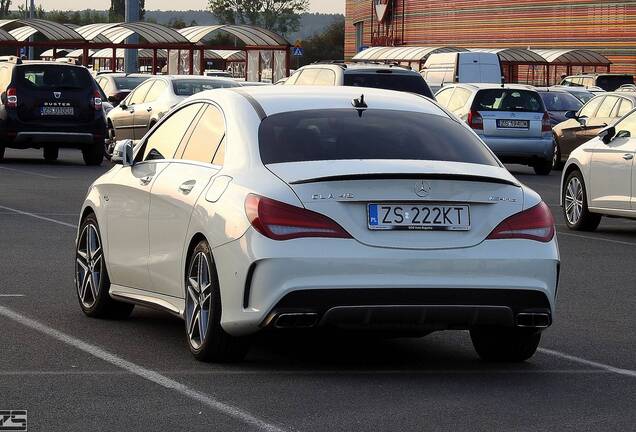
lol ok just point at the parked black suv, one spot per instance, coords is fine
(50, 105)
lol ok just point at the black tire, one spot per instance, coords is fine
(109, 144)
(93, 154)
(505, 344)
(557, 164)
(586, 221)
(215, 345)
(51, 153)
(97, 302)
(542, 167)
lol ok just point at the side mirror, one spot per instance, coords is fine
(582, 120)
(3, 98)
(123, 105)
(123, 153)
(607, 134)
(623, 134)
(570, 115)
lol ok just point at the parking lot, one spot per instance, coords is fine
(73, 373)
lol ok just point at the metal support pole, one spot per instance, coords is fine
(113, 64)
(202, 62)
(130, 55)
(191, 61)
(85, 56)
(154, 61)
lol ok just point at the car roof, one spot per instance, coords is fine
(626, 94)
(485, 86)
(593, 74)
(361, 67)
(277, 99)
(549, 90)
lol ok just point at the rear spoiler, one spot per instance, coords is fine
(398, 176)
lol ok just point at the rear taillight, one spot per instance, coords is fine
(12, 98)
(97, 101)
(280, 221)
(475, 120)
(546, 125)
(536, 223)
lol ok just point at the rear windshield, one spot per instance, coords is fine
(342, 134)
(52, 77)
(612, 82)
(389, 81)
(192, 86)
(128, 83)
(560, 101)
(507, 100)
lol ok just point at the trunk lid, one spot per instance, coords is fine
(342, 190)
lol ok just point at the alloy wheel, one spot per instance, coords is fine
(574, 200)
(198, 299)
(88, 266)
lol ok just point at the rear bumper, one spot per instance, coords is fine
(519, 149)
(19, 134)
(452, 288)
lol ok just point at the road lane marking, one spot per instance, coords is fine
(597, 238)
(33, 215)
(28, 172)
(613, 369)
(11, 295)
(142, 372)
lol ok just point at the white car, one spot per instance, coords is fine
(294, 207)
(599, 178)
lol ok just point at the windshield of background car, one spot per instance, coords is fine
(612, 82)
(128, 83)
(192, 86)
(53, 77)
(390, 81)
(560, 101)
(583, 96)
(503, 99)
(346, 134)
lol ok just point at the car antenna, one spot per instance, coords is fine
(359, 104)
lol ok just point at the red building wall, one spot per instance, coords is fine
(608, 27)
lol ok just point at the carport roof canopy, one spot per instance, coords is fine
(512, 55)
(14, 31)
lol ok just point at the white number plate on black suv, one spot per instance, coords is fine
(446, 217)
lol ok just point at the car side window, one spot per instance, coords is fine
(206, 136)
(626, 106)
(627, 124)
(292, 79)
(163, 142)
(459, 99)
(444, 96)
(605, 110)
(589, 109)
(325, 77)
(155, 91)
(308, 77)
(139, 94)
(219, 156)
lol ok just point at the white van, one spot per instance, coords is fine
(461, 67)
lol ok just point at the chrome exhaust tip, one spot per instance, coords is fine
(296, 320)
(533, 319)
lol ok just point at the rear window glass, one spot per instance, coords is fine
(128, 83)
(342, 134)
(49, 77)
(389, 81)
(192, 86)
(508, 100)
(611, 83)
(560, 101)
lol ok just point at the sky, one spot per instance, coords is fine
(328, 6)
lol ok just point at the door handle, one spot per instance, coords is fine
(149, 109)
(186, 187)
(145, 180)
(132, 110)
(628, 156)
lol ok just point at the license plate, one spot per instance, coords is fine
(443, 217)
(53, 111)
(513, 124)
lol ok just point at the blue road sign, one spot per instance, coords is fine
(22, 51)
(298, 51)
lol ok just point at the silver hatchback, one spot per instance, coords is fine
(511, 120)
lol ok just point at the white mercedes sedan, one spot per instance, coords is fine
(599, 178)
(351, 209)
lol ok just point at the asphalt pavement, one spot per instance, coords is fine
(73, 373)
